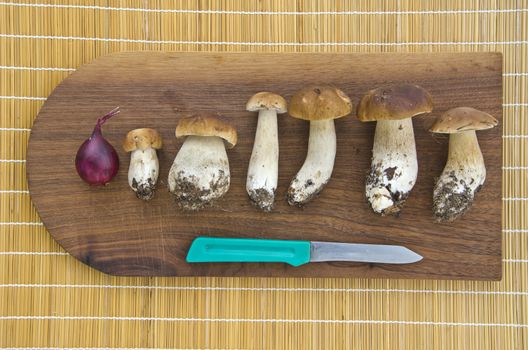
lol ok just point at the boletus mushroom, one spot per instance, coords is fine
(144, 165)
(263, 168)
(319, 105)
(200, 172)
(394, 165)
(464, 172)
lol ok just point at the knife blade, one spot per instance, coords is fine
(295, 253)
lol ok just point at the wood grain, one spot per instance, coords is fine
(110, 230)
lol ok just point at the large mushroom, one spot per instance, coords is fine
(144, 165)
(200, 172)
(320, 105)
(394, 165)
(263, 168)
(465, 172)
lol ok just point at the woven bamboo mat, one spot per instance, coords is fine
(48, 299)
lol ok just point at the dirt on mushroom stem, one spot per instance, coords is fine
(452, 198)
(191, 196)
(374, 180)
(262, 198)
(144, 191)
(292, 193)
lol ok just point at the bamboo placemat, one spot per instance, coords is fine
(49, 300)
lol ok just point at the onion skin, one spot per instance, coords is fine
(97, 162)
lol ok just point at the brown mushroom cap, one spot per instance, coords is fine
(319, 103)
(463, 119)
(142, 139)
(394, 103)
(207, 124)
(266, 100)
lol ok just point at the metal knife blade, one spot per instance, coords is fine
(369, 253)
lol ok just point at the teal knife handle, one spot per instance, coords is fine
(211, 249)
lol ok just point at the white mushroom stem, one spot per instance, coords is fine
(143, 172)
(318, 166)
(264, 163)
(200, 172)
(463, 175)
(394, 166)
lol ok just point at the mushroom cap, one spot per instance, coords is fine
(394, 103)
(207, 124)
(266, 100)
(142, 139)
(319, 103)
(463, 119)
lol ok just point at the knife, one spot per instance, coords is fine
(295, 253)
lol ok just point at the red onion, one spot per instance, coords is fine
(97, 161)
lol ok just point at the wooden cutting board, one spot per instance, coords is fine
(112, 231)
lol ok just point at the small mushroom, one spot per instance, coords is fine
(144, 165)
(320, 105)
(394, 165)
(264, 163)
(200, 172)
(464, 172)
